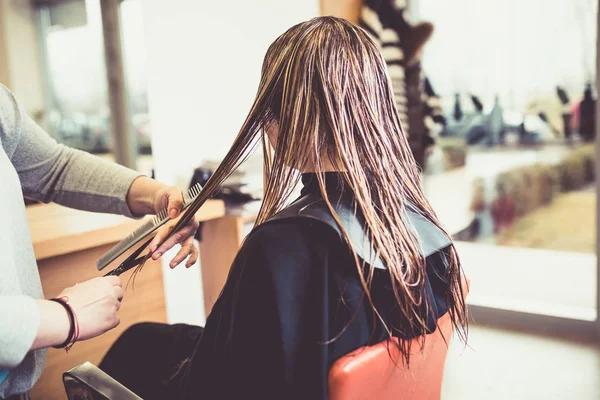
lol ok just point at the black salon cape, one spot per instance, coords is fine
(293, 288)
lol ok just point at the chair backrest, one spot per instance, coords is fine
(370, 372)
(86, 381)
(377, 372)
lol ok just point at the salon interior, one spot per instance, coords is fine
(506, 142)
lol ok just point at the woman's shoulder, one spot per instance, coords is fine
(290, 235)
(281, 256)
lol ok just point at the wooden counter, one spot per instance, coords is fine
(67, 244)
(57, 230)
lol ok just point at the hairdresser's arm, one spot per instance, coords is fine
(52, 172)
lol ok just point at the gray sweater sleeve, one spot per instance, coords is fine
(52, 172)
(17, 336)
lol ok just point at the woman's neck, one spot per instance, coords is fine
(326, 166)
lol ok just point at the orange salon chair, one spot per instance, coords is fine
(370, 372)
(376, 372)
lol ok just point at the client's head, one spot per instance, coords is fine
(325, 103)
(328, 102)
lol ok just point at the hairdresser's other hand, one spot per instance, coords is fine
(148, 196)
(171, 198)
(95, 304)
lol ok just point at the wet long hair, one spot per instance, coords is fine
(325, 83)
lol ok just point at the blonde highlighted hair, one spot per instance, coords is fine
(325, 83)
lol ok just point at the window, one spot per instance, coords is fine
(512, 174)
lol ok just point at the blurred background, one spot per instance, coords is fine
(498, 98)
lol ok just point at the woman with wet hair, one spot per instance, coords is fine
(358, 258)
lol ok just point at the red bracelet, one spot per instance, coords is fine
(74, 329)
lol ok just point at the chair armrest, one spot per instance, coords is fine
(86, 381)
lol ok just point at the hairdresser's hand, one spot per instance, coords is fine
(148, 196)
(95, 304)
(171, 198)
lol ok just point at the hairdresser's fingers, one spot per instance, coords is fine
(178, 237)
(187, 248)
(174, 201)
(119, 292)
(193, 256)
(160, 237)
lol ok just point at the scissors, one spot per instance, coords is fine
(132, 261)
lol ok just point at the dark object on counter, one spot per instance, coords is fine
(477, 103)
(201, 176)
(458, 112)
(587, 115)
(563, 95)
(555, 131)
(567, 123)
(231, 193)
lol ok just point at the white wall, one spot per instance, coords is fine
(203, 63)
